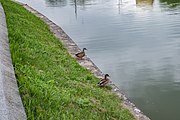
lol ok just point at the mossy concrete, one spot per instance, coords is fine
(86, 62)
(11, 107)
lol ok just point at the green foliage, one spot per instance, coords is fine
(171, 3)
(53, 86)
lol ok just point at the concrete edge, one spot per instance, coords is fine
(11, 107)
(86, 62)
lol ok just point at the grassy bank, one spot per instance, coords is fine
(53, 86)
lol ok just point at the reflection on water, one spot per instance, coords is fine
(61, 3)
(171, 3)
(136, 41)
(56, 3)
(75, 4)
(144, 2)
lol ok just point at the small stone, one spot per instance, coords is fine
(137, 110)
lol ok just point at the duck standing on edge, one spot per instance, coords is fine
(81, 54)
(104, 81)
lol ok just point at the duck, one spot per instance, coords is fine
(104, 81)
(81, 54)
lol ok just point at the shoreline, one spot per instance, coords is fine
(72, 48)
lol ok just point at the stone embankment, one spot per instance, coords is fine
(11, 107)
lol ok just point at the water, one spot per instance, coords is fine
(136, 42)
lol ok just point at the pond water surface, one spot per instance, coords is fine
(137, 42)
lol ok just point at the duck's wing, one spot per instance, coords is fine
(80, 54)
(102, 82)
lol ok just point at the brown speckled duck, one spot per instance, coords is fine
(81, 54)
(104, 81)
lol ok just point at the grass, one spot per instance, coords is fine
(53, 86)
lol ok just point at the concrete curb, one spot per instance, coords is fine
(86, 62)
(11, 107)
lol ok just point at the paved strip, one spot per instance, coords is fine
(11, 107)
